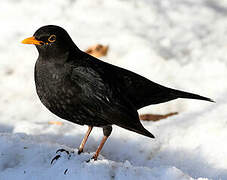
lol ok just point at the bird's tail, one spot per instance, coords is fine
(144, 132)
(182, 94)
(139, 129)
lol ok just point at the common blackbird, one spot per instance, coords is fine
(85, 90)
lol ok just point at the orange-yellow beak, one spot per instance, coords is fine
(31, 40)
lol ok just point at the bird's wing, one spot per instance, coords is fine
(139, 90)
(99, 97)
(97, 93)
(142, 92)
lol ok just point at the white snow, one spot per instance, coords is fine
(179, 43)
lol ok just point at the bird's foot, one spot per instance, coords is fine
(58, 152)
(80, 150)
(94, 158)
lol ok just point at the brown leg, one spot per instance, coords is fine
(81, 148)
(99, 148)
(106, 131)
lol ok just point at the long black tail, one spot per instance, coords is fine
(140, 130)
(182, 94)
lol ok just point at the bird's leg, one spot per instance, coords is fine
(81, 148)
(106, 132)
(99, 148)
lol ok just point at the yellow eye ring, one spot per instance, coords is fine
(52, 38)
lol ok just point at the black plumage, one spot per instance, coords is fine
(82, 89)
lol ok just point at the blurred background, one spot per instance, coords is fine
(179, 43)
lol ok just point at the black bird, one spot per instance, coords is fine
(87, 91)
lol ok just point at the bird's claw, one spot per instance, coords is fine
(80, 151)
(93, 158)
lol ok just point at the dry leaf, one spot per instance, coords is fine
(55, 122)
(155, 117)
(97, 50)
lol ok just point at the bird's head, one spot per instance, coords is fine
(51, 41)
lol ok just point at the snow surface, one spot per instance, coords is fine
(178, 43)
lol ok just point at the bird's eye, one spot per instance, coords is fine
(52, 38)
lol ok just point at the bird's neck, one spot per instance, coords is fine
(54, 57)
(61, 57)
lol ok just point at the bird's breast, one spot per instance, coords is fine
(55, 88)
